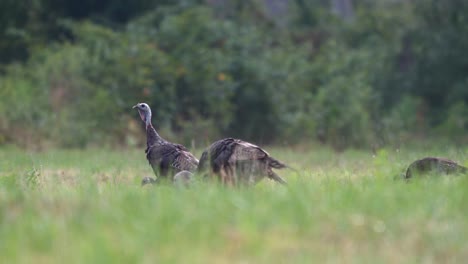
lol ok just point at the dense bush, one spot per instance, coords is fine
(394, 71)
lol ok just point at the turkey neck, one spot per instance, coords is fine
(152, 137)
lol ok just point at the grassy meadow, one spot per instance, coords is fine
(87, 206)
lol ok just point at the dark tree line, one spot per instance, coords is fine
(347, 73)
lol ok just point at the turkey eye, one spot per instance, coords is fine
(142, 106)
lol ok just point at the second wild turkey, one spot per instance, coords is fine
(236, 162)
(434, 165)
(166, 158)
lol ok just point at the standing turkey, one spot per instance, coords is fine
(236, 162)
(166, 158)
(434, 165)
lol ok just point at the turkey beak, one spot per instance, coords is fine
(135, 106)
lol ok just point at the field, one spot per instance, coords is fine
(87, 206)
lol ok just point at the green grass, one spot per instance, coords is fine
(88, 207)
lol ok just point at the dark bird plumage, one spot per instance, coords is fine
(236, 162)
(166, 158)
(434, 165)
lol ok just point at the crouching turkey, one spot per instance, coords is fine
(236, 162)
(434, 165)
(180, 179)
(166, 158)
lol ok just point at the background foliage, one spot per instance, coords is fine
(379, 72)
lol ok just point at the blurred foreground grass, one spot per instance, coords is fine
(88, 207)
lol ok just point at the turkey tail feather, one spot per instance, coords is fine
(276, 164)
(279, 165)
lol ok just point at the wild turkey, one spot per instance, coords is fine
(236, 162)
(166, 158)
(434, 165)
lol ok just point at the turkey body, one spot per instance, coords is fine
(167, 158)
(236, 162)
(434, 165)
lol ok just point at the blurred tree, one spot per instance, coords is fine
(439, 46)
(264, 70)
(344, 8)
(14, 17)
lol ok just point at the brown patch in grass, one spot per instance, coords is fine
(69, 177)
